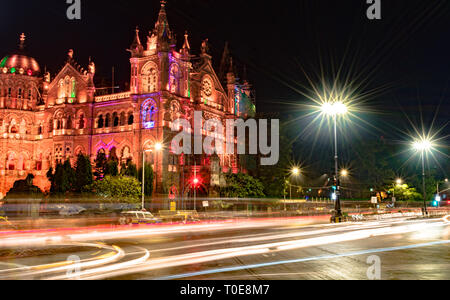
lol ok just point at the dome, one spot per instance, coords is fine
(19, 64)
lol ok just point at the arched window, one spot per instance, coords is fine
(115, 120)
(68, 88)
(130, 119)
(11, 164)
(73, 93)
(149, 110)
(81, 122)
(101, 122)
(113, 154)
(69, 123)
(125, 155)
(150, 78)
(21, 163)
(61, 91)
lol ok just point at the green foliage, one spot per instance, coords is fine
(376, 164)
(83, 173)
(273, 177)
(112, 168)
(149, 176)
(100, 166)
(118, 189)
(405, 193)
(63, 179)
(242, 186)
(129, 169)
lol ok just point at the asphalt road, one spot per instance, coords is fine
(268, 249)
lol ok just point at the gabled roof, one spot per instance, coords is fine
(207, 68)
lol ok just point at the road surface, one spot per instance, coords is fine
(263, 249)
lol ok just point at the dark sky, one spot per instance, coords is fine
(406, 55)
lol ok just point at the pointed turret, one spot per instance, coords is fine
(162, 30)
(136, 47)
(224, 63)
(22, 43)
(185, 50)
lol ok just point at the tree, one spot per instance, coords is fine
(118, 189)
(405, 193)
(112, 168)
(273, 177)
(62, 179)
(100, 165)
(129, 169)
(242, 186)
(51, 178)
(149, 176)
(69, 177)
(83, 172)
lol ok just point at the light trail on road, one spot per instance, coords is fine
(323, 257)
(113, 266)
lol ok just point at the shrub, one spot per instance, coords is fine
(118, 189)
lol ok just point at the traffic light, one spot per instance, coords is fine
(335, 185)
(435, 203)
(196, 181)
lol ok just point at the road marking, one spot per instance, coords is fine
(256, 266)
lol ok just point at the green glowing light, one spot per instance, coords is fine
(13, 70)
(3, 63)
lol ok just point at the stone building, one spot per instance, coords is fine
(47, 119)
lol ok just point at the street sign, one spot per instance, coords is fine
(205, 204)
(374, 200)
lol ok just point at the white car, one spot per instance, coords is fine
(138, 217)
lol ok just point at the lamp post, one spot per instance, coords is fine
(143, 176)
(335, 109)
(398, 182)
(422, 146)
(294, 172)
(437, 186)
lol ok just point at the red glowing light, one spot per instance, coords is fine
(30, 72)
(196, 182)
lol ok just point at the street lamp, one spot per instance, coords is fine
(422, 146)
(295, 171)
(399, 182)
(157, 147)
(335, 109)
(437, 186)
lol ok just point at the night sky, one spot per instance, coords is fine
(405, 57)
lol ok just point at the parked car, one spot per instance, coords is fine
(138, 217)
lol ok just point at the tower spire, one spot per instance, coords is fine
(137, 39)
(166, 39)
(22, 42)
(136, 47)
(186, 41)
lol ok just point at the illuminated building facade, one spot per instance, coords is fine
(46, 120)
